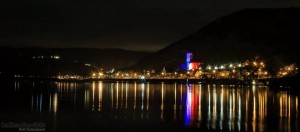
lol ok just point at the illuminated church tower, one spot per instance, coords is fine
(189, 65)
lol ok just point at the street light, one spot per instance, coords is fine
(209, 68)
(254, 63)
(222, 67)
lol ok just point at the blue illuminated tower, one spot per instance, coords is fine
(189, 57)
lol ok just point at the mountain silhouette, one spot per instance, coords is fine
(271, 34)
(73, 61)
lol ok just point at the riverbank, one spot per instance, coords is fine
(269, 81)
(158, 80)
(289, 83)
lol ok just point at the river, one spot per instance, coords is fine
(130, 106)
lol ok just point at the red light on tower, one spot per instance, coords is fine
(193, 65)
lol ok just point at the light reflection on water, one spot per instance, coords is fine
(214, 107)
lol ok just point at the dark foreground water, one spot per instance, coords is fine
(98, 106)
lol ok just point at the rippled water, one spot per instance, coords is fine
(121, 106)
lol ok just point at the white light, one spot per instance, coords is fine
(209, 68)
(222, 67)
(190, 66)
(56, 57)
(253, 82)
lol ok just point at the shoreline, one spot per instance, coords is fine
(269, 81)
(277, 84)
(157, 80)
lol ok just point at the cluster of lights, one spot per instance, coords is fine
(69, 77)
(97, 75)
(56, 57)
(231, 70)
(247, 70)
(222, 67)
(288, 70)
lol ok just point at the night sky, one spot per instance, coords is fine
(147, 25)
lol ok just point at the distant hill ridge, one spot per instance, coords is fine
(71, 60)
(272, 34)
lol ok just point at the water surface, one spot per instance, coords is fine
(121, 106)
